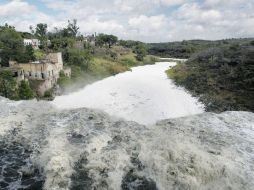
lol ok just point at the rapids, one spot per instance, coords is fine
(42, 147)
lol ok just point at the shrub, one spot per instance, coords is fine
(8, 85)
(48, 94)
(25, 92)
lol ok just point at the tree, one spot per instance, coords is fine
(8, 86)
(41, 30)
(32, 30)
(73, 28)
(128, 43)
(79, 58)
(141, 52)
(11, 44)
(104, 39)
(30, 53)
(41, 34)
(25, 92)
(111, 40)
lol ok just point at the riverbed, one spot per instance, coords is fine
(144, 95)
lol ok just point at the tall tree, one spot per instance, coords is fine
(32, 30)
(41, 31)
(141, 51)
(72, 27)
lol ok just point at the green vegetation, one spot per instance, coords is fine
(141, 52)
(186, 49)
(39, 54)
(25, 92)
(223, 77)
(89, 60)
(220, 72)
(11, 46)
(9, 87)
(48, 95)
(104, 39)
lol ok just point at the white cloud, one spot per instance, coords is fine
(218, 3)
(15, 8)
(152, 22)
(172, 2)
(146, 20)
(96, 25)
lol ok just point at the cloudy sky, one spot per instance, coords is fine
(144, 20)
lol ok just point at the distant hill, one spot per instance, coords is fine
(185, 49)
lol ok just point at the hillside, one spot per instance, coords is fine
(223, 76)
(103, 62)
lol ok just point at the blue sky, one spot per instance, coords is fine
(145, 20)
(42, 7)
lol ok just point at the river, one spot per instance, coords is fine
(51, 146)
(144, 95)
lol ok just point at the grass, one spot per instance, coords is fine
(39, 54)
(178, 73)
(106, 62)
(105, 67)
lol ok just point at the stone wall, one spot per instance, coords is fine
(46, 72)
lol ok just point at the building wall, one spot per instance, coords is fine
(67, 72)
(47, 72)
(34, 42)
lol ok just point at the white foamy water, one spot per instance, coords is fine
(144, 95)
(46, 148)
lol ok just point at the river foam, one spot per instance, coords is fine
(144, 95)
(46, 148)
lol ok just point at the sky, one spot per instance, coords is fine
(143, 20)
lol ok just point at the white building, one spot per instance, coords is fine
(35, 43)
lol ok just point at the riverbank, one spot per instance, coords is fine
(222, 78)
(103, 65)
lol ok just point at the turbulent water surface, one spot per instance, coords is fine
(44, 147)
(144, 95)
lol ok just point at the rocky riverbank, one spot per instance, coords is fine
(42, 147)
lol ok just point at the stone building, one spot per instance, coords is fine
(43, 74)
(35, 43)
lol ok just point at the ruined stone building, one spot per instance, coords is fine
(43, 74)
